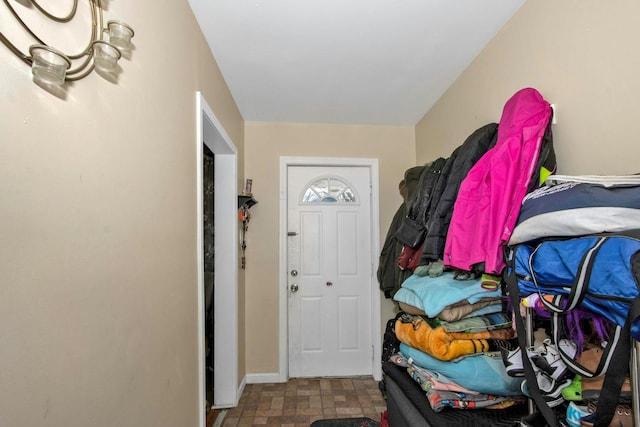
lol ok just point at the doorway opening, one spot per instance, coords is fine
(208, 227)
(223, 280)
(373, 250)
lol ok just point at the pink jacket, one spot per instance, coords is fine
(489, 199)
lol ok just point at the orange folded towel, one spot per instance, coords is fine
(417, 333)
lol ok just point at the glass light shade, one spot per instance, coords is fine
(105, 56)
(49, 66)
(119, 34)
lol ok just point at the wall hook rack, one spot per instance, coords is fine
(245, 202)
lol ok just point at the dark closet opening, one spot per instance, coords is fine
(208, 161)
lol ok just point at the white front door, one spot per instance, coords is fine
(329, 271)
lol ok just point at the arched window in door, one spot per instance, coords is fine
(329, 189)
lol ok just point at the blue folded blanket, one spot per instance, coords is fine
(484, 372)
(434, 294)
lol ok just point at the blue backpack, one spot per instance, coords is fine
(600, 273)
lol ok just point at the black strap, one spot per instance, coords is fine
(581, 282)
(561, 304)
(532, 383)
(615, 360)
(557, 325)
(618, 369)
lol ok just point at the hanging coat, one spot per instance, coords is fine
(446, 191)
(489, 198)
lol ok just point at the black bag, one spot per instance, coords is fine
(390, 342)
(411, 233)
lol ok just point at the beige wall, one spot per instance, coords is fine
(98, 292)
(97, 189)
(265, 144)
(580, 54)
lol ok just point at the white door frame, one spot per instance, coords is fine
(372, 164)
(210, 131)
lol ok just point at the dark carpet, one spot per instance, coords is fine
(346, 422)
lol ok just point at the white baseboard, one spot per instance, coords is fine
(241, 389)
(265, 378)
(238, 396)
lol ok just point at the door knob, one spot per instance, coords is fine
(329, 283)
(294, 287)
(294, 273)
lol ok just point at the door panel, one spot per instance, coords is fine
(311, 253)
(347, 244)
(330, 296)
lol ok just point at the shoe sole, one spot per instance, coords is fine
(553, 398)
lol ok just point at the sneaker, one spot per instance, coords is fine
(575, 413)
(550, 388)
(545, 357)
(623, 417)
(591, 387)
(573, 392)
(549, 360)
(512, 360)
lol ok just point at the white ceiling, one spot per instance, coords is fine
(345, 61)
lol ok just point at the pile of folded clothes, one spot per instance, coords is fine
(450, 334)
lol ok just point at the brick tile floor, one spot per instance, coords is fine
(300, 401)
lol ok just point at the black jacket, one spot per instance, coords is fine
(445, 193)
(412, 231)
(421, 205)
(390, 277)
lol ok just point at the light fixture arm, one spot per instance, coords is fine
(67, 18)
(27, 59)
(25, 26)
(54, 67)
(77, 73)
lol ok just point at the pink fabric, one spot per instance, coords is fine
(489, 199)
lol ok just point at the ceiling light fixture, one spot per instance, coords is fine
(53, 67)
